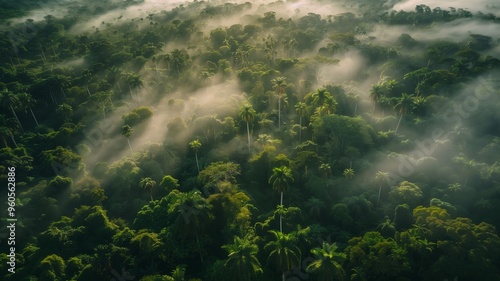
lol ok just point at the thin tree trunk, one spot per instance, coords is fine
(130, 146)
(197, 164)
(379, 192)
(64, 94)
(355, 109)
(88, 91)
(32, 114)
(279, 113)
(13, 139)
(399, 122)
(300, 129)
(281, 214)
(248, 134)
(199, 246)
(19, 122)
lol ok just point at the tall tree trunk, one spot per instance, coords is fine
(281, 215)
(4, 142)
(399, 122)
(130, 146)
(379, 192)
(15, 115)
(199, 245)
(64, 94)
(300, 129)
(32, 114)
(279, 113)
(13, 139)
(248, 134)
(197, 164)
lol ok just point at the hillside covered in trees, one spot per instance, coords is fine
(263, 140)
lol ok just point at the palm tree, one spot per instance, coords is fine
(195, 146)
(315, 206)
(301, 109)
(247, 113)
(7, 126)
(148, 184)
(193, 213)
(179, 59)
(328, 263)
(376, 94)
(381, 178)
(242, 260)
(283, 251)
(280, 180)
(349, 173)
(114, 76)
(320, 99)
(325, 171)
(134, 82)
(279, 86)
(127, 132)
(8, 99)
(355, 98)
(179, 273)
(403, 106)
(27, 102)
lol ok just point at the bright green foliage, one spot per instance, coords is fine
(148, 184)
(242, 262)
(377, 257)
(186, 83)
(58, 186)
(283, 251)
(328, 263)
(52, 268)
(281, 178)
(168, 183)
(406, 193)
(137, 116)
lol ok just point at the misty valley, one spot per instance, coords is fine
(222, 140)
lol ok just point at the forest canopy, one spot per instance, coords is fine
(259, 140)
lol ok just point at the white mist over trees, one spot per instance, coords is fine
(252, 140)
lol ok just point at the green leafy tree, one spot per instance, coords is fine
(406, 193)
(11, 101)
(301, 108)
(283, 252)
(127, 132)
(26, 102)
(328, 263)
(247, 114)
(325, 171)
(279, 87)
(321, 99)
(195, 146)
(281, 180)
(191, 214)
(403, 106)
(148, 184)
(348, 173)
(381, 179)
(242, 261)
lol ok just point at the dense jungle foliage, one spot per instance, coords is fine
(267, 140)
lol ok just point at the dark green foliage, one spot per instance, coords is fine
(368, 137)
